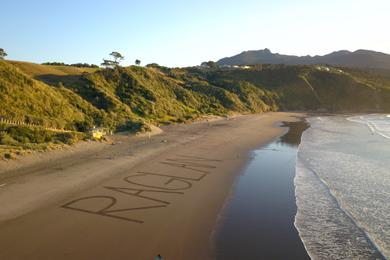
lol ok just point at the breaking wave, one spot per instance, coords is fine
(342, 187)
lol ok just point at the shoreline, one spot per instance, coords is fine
(229, 197)
(240, 208)
(188, 202)
(346, 224)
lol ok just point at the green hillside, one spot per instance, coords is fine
(315, 87)
(34, 69)
(24, 99)
(42, 105)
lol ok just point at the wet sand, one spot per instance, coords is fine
(258, 221)
(131, 200)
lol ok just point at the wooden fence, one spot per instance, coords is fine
(3, 120)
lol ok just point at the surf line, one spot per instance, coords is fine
(194, 169)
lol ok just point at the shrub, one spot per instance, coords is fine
(66, 138)
(8, 156)
(6, 139)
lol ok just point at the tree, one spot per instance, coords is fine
(117, 57)
(210, 64)
(108, 63)
(137, 62)
(113, 63)
(153, 65)
(2, 54)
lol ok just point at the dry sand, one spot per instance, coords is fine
(131, 200)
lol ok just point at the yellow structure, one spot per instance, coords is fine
(98, 133)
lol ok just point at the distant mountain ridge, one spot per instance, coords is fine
(343, 58)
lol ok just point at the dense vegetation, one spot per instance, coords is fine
(79, 65)
(18, 139)
(314, 87)
(53, 97)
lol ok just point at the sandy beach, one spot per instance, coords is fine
(133, 199)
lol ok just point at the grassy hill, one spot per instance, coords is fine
(316, 87)
(34, 69)
(59, 104)
(27, 100)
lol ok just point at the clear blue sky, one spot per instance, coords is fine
(181, 33)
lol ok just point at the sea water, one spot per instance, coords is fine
(342, 187)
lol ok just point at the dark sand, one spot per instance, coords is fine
(258, 221)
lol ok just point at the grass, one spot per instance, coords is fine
(16, 139)
(131, 98)
(34, 70)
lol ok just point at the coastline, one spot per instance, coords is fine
(321, 200)
(177, 223)
(230, 194)
(259, 214)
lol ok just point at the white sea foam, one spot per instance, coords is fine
(378, 124)
(343, 187)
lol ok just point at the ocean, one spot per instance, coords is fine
(342, 187)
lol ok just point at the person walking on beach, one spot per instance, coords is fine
(158, 257)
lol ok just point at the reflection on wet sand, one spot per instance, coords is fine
(258, 222)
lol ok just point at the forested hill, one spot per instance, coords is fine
(131, 98)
